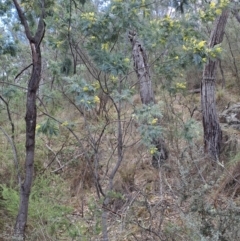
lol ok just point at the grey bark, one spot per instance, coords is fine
(31, 116)
(212, 129)
(142, 70)
(146, 92)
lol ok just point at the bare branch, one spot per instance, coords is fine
(23, 71)
(9, 115)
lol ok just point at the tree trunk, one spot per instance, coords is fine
(31, 116)
(146, 92)
(142, 69)
(212, 129)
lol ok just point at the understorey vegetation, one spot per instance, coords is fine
(119, 120)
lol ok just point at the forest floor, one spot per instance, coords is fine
(189, 198)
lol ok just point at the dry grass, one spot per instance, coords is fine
(147, 204)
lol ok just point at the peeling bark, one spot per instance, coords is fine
(146, 92)
(142, 69)
(212, 129)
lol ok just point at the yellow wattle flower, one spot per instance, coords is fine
(113, 78)
(201, 44)
(218, 11)
(212, 5)
(65, 123)
(38, 127)
(96, 85)
(105, 46)
(96, 99)
(218, 50)
(153, 150)
(154, 121)
(85, 88)
(181, 86)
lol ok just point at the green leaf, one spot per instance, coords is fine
(48, 127)
(197, 59)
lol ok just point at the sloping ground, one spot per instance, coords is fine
(189, 198)
(181, 201)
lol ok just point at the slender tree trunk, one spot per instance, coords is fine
(142, 70)
(212, 129)
(31, 116)
(107, 199)
(146, 92)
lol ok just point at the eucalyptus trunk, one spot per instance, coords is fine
(30, 118)
(146, 92)
(211, 126)
(142, 70)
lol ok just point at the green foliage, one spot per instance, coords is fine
(148, 118)
(191, 130)
(11, 92)
(10, 199)
(95, 212)
(5, 6)
(8, 47)
(52, 99)
(54, 67)
(66, 66)
(113, 194)
(82, 1)
(105, 32)
(112, 63)
(85, 93)
(47, 208)
(205, 222)
(213, 10)
(95, 36)
(125, 95)
(48, 127)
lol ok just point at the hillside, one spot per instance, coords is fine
(103, 119)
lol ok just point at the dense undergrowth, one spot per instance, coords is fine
(94, 170)
(189, 198)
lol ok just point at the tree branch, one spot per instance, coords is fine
(9, 116)
(40, 32)
(23, 21)
(23, 71)
(236, 14)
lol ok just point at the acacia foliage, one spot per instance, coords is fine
(87, 64)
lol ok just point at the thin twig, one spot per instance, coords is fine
(23, 71)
